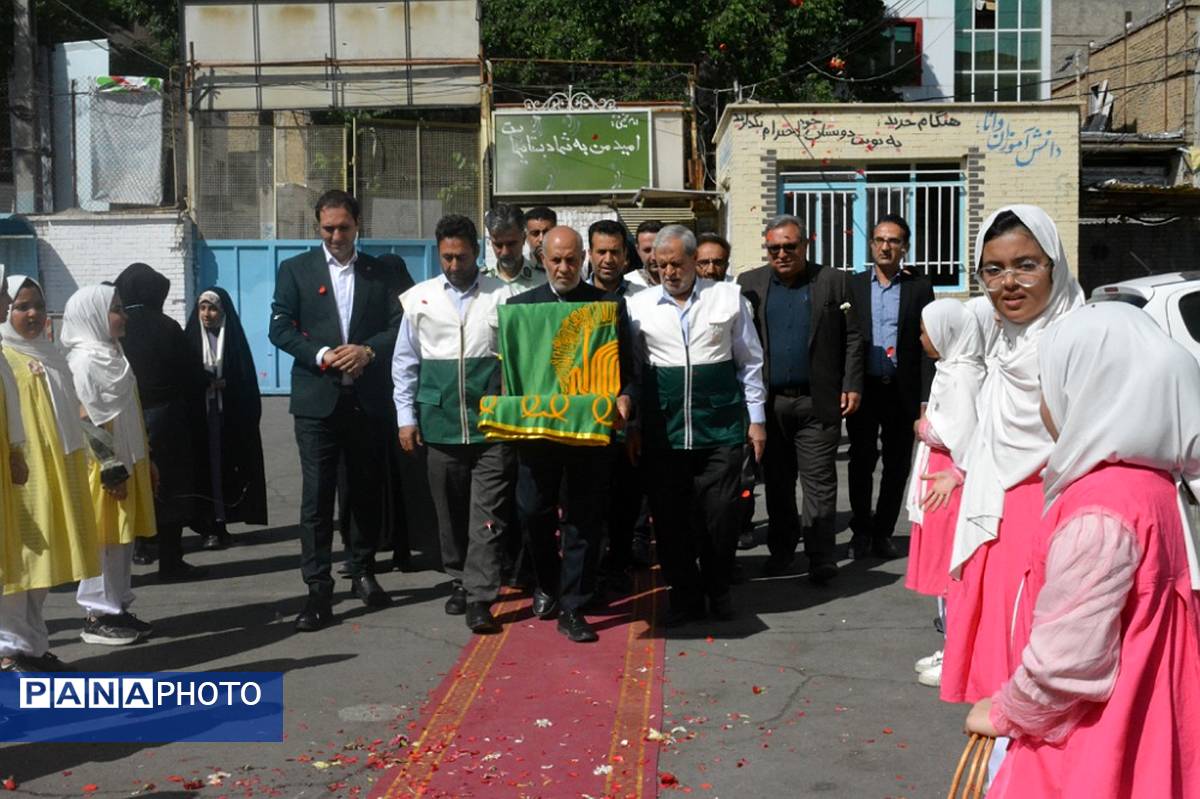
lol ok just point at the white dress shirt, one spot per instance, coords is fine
(341, 278)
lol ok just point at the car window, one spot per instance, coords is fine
(1189, 309)
(1133, 299)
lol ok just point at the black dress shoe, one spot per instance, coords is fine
(777, 565)
(544, 606)
(884, 548)
(179, 572)
(573, 625)
(746, 540)
(145, 551)
(366, 588)
(317, 613)
(480, 618)
(860, 547)
(212, 542)
(344, 569)
(456, 605)
(822, 571)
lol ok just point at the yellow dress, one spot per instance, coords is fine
(53, 538)
(10, 560)
(121, 521)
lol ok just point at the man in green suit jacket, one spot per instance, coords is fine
(336, 312)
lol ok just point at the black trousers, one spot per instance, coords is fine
(551, 476)
(880, 425)
(626, 497)
(800, 445)
(470, 486)
(694, 497)
(349, 433)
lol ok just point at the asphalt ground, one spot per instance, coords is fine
(810, 692)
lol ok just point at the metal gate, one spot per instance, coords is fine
(840, 206)
(246, 269)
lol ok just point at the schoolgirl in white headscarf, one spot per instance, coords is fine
(1022, 265)
(93, 322)
(54, 538)
(951, 336)
(13, 472)
(1111, 661)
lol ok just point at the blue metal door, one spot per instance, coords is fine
(246, 269)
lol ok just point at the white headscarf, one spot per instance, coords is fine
(12, 399)
(954, 332)
(214, 359)
(1120, 390)
(985, 314)
(1010, 443)
(54, 363)
(104, 380)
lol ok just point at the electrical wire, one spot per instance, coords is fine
(868, 29)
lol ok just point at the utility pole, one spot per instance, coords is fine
(22, 110)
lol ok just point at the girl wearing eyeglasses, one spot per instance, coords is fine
(1022, 266)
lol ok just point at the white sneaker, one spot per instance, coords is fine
(931, 677)
(927, 663)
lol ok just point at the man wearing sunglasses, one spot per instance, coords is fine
(813, 369)
(889, 297)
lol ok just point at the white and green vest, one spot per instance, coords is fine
(691, 397)
(458, 357)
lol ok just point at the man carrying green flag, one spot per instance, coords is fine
(569, 384)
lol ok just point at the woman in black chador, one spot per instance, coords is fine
(228, 450)
(169, 379)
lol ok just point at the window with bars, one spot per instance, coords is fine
(840, 205)
(998, 50)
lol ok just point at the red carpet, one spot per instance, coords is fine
(528, 713)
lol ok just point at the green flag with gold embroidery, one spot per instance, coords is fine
(561, 374)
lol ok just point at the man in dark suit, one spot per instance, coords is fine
(889, 298)
(812, 367)
(336, 312)
(552, 474)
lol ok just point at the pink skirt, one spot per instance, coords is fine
(980, 606)
(929, 546)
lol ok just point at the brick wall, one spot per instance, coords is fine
(1138, 74)
(78, 249)
(1009, 152)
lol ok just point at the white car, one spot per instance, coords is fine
(1171, 299)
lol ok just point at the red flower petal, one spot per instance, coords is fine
(10, 784)
(91, 787)
(667, 779)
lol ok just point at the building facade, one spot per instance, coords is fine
(975, 50)
(944, 168)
